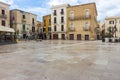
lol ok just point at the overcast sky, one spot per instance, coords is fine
(42, 7)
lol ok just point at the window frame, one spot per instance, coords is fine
(62, 27)
(3, 12)
(87, 13)
(55, 28)
(72, 15)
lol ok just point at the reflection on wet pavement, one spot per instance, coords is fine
(60, 60)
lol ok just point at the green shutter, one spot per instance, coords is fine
(23, 27)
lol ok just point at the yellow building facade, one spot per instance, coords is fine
(47, 26)
(81, 22)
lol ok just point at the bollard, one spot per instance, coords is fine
(119, 39)
(103, 39)
(110, 40)
(116, 40)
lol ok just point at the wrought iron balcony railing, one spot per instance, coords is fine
(71, 29)
(23, 20)
(62, 12)
(79, 18)
(4, 16)
(86, 28)
(54, 14)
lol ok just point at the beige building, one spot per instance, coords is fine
(24, 23)
(82, 20)
(4, 14)
(5, 30)
(113, 22)
(5, 18)
(39, 27)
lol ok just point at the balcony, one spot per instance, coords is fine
(62, 12)
(79, 18)
(86, 28)
(54, 14)
(59, 31)
(55, 23)
(49, 29)
(4, 16)
(24, 31)
(13, 21)
(71, 28)
(62, 22)
(23, 20)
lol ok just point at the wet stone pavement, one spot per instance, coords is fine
(60, 60)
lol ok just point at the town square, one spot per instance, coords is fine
(59, 40)
(60, 60)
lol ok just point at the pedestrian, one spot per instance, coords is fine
(27, 34)
(25, 37)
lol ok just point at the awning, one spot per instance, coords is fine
(6, 29)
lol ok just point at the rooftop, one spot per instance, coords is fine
(4, 3)
(23, 11)
(112, 17)
(62, 5)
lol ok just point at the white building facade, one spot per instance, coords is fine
(59, 21)
(113, 22)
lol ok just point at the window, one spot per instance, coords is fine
(87, 13)
(3, 12)
(71, 15)
(33, 29)
(23, 16)
(49, 28)
(33, 22)
(23, 27)
(44, 29)
(62, 19)
(54, 13)
(111, 22)
(62, 27)
(12, 18)
(86, 26)
(62, 11)
(3, 23)
(55, 20)
(40, 29)
(55, 29)
(72, 26)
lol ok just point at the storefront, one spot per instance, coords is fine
(7, 35)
